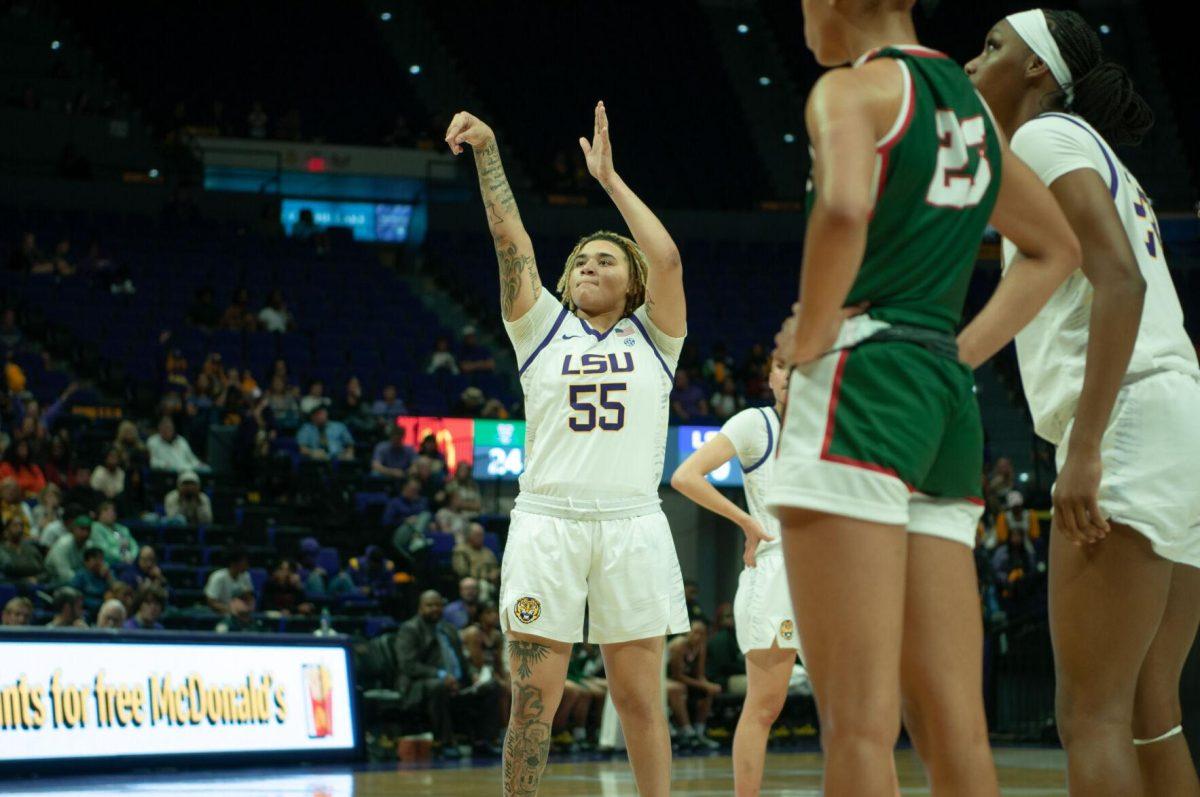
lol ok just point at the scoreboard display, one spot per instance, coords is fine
(499, 450)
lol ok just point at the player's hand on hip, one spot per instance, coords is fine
(467, 129)
(598, 153)
(790, 349)
(1076, 498)
(754, 535)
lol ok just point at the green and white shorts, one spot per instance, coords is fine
(887, 432)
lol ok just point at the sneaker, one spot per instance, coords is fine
(705, 743)
(450, 752)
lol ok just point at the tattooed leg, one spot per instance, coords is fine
(539, 670)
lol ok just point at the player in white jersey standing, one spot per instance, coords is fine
(597, 369)
(1112, 380)
(762, 607)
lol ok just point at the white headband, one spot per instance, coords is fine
(1032, 27)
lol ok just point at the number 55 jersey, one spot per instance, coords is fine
(596, 405)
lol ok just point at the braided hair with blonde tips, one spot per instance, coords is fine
(635, 294)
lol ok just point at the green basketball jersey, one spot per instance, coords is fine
(937, 174)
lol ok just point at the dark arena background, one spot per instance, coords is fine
(253, 353)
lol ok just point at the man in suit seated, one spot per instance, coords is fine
(433, 673)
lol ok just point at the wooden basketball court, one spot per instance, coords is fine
(1024, 772)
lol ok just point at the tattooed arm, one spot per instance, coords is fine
(664, 283)
(520, 283)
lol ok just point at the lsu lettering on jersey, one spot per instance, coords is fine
(754, 434)
(596, 404)
(1052, 349)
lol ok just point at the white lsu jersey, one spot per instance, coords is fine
(755, 434)
(596, 404)
(1052, 349)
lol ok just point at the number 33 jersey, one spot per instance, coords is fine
(1052, 349)
(596, 404)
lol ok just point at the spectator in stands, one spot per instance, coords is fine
(224, 583)
(429, 472)
(442, 358)
(462, 612)
(187, 503)
(687, 399)
(322, 439)
(470, 403)
(1015, 559)
(93, 579)
(305, 227)
(318, 583)
(284, 592)
(1000, 483)
(373, 573)
(66, 555)
(450, 519)
(144, 572)
(392, 458)
(471, 558)
(129, 445)
(314, 398)
(433, 673)
(47, 517)
(58, 466)
(112, 615)
(11, 336)
(120, 591)
(148, 605)
(388, 407)
(280, 368)
(17, 612)
(27, 258)
(691, 595)
(18, 464)
(483, 644)
(428, 451)
(12, 507)
(114, 539)
(474, 357)
(466, 488)
(240, 619)
(256, 121)
(725, 658)
(282, 402)
(726, 402)
(408, 504)
(20, 559)
(238, 316)
(170, 451)
(204, 312)
(689, 692)
(354, 412)
(275, 316)
(108, 478)
(67, 604)
(719, 366)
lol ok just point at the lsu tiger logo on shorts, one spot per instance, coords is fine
(786, 629)
(527, 610)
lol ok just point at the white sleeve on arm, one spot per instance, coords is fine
(669, 347)
(1054, 145)
(748, 432)
(528, 331)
